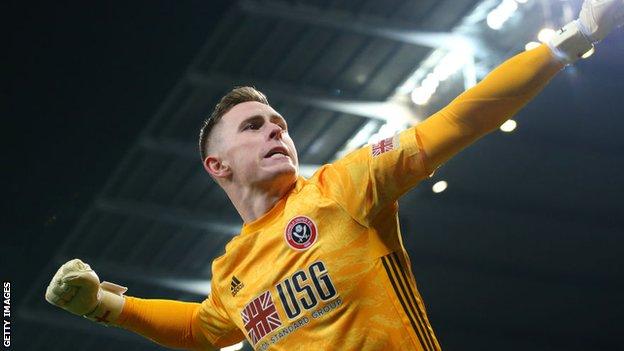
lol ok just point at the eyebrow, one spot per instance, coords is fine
(261, 117)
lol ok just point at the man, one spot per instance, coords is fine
(319, 263)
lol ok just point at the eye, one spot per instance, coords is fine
(252, 126)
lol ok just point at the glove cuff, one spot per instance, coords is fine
(569, 43)
(110, 304)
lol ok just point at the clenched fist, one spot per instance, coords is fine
(76, 288)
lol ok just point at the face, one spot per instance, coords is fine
(252, 144)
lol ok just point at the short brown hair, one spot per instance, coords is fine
(234, 97)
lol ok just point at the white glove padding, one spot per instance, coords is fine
(76, 288)
(596, 20)
(599, 17)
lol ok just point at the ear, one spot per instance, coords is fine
(216, 168)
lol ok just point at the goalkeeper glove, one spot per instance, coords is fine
(76, 288)
(596, 20)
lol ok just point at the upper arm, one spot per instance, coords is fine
(375, 176)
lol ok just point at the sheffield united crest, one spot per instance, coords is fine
(300, 233)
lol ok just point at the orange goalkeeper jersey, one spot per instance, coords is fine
(325, 268)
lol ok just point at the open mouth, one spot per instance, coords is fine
(276, 152)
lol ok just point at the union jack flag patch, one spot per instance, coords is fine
(260, 317)
(385, 145)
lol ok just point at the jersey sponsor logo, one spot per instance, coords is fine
(235, 286)
(303, 290)
(385, 145)
(301, 232)
(260, 317)
(305, 295)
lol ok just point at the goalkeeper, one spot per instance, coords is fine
(319, 262)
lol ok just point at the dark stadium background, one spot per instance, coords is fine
(82, 79)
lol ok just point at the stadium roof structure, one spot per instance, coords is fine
(522, 251)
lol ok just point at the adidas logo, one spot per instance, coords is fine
(236, 285)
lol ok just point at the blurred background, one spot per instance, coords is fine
(516, 243)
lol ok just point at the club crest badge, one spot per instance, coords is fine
(301, 232)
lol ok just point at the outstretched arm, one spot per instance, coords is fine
(379, 174)
(487, 105)
(513, 84)
(182, 325)
(174, 324)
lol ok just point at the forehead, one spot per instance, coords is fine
(245, 110)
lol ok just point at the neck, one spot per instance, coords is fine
(252, 202)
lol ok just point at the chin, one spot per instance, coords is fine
(283, 175)
(290, 173)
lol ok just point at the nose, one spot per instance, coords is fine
(275, 131)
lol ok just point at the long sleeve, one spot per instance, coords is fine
(373, 177)
(487, 105)
(170, 323)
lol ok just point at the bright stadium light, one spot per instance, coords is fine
(494, 20)
(448, 65)
(234, 347)
(508, 126)
(546, 34)
(431, 82)
(421, 95)
(531, 45)
(498, 16)
(439, 187)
